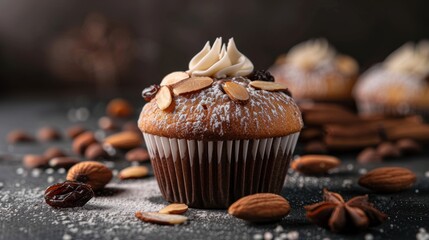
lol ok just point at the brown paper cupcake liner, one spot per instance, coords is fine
(213, 174)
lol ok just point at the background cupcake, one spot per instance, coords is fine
(214, 135)
(399, 85)
(315, 71)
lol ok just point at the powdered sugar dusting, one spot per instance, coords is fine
(309, 84)
(378, 80)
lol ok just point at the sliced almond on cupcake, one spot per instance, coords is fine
(164, 98)
(235, 91)
(191, 85)
(268, 86)
(173, 78)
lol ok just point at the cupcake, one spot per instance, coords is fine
(214, 135)
(397, 86)
(315, 71)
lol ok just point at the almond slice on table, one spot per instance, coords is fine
(124, 140)
(173, 78)
(315, 164)
(235, 91)
(260, 207)
(163, 98)
(133, 172)
(174, 208)
(191, 85)
(161, 218)
(268, 86)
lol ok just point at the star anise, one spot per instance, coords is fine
(355, 215)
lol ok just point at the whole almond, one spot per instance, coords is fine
(163, 98)
(268, 86)
(95, 174)
(408, 146)
(173, 78)
(174, 208)
(47, 134)
(160, 218)
(95, 151)
(315, 164)
(137, 155)
(388, 150)
(34, 161)
(260, 207)
(191, 85)
(124, 140)
(133, 172)
(54, 152)
(368, 155)
(82, 141)
(74, 131)
(63, 162)
(17, 136)
(130, 126)
(388, 179)
(235, 91)
(119, 107)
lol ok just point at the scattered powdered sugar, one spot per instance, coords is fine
(19, 171)
(258, 236)
(296, 179)
(368, 236)
(107, 216)
(268, 236)
(422, 234)
(279, 234)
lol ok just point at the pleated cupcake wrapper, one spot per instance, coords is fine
(374, 108)
(213, 174)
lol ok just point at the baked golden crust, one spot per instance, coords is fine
(209, 114)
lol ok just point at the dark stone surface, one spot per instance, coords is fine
(24, 215)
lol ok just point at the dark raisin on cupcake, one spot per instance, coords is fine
(263, 75)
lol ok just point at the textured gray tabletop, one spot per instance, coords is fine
(110, 215)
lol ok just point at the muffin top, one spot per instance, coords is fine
(219, 98)
(317, 56)
(401, 79)
(315, 70)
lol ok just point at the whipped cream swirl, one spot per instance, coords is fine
(311, 54)
(410, 59)
(219, 61)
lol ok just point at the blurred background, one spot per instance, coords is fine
(115, 47)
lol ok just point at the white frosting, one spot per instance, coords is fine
(311, 54)
(410, 59)
(220, 61)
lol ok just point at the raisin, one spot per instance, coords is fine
(262, 75)
(150, 92)
(68, 194)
